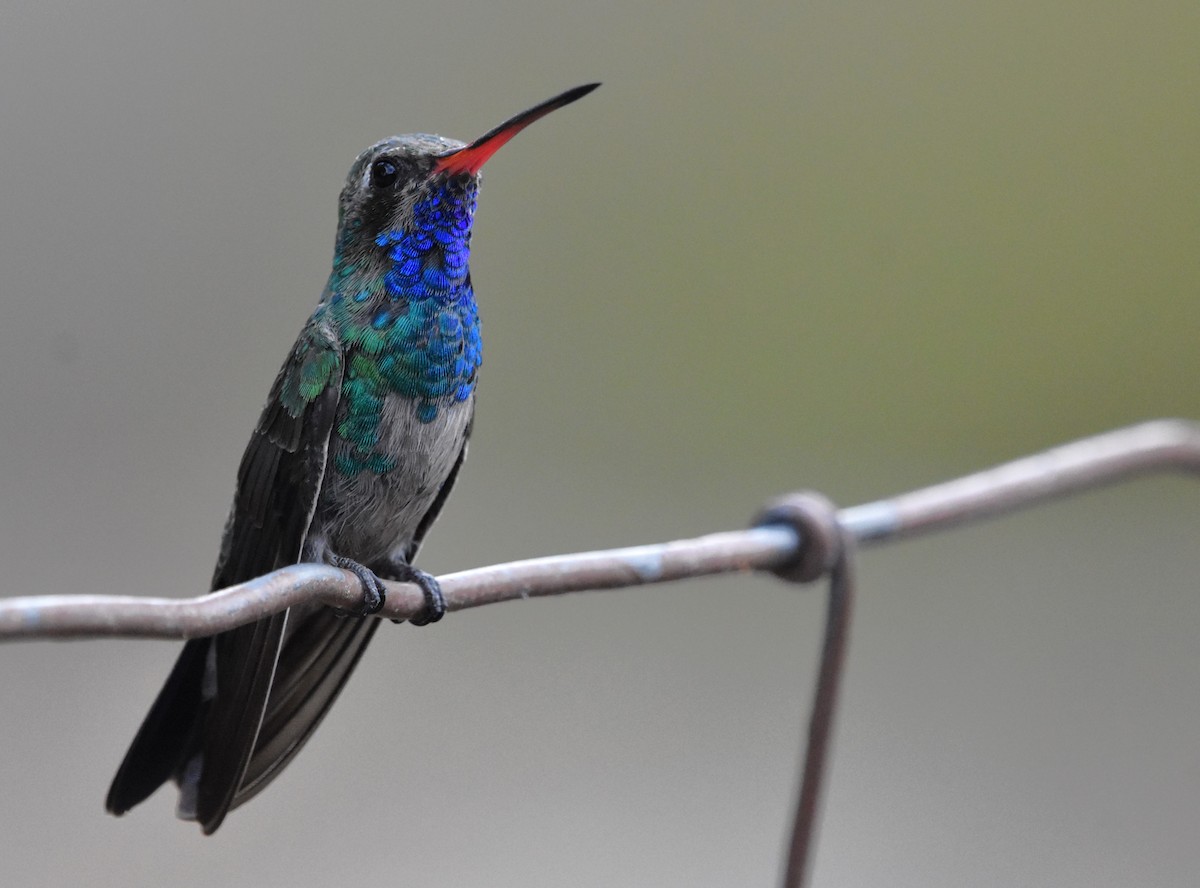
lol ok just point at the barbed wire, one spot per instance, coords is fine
(799, 537)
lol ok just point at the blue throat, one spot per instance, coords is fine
(406, 311)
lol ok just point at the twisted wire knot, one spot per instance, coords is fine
(814, 518)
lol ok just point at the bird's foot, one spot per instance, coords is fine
(435, 602)
(373, 592)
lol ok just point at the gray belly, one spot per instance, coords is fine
(368, 516)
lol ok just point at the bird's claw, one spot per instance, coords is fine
(435, 601)
(374, 594)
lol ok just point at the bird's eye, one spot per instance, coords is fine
(383, 173)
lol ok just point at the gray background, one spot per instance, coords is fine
(852, 246)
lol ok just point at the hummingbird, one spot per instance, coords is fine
(363, 434)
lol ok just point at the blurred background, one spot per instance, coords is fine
(857, 247)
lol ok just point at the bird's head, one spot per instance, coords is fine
(423, 186)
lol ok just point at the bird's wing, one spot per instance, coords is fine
(278, 483)
(321, 651)
(212, 705)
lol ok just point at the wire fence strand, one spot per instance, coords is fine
(1091, 462)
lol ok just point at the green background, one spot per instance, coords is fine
(857, 247)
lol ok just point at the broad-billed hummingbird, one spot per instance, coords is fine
(353, 457)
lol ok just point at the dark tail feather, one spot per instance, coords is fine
(162, 742)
